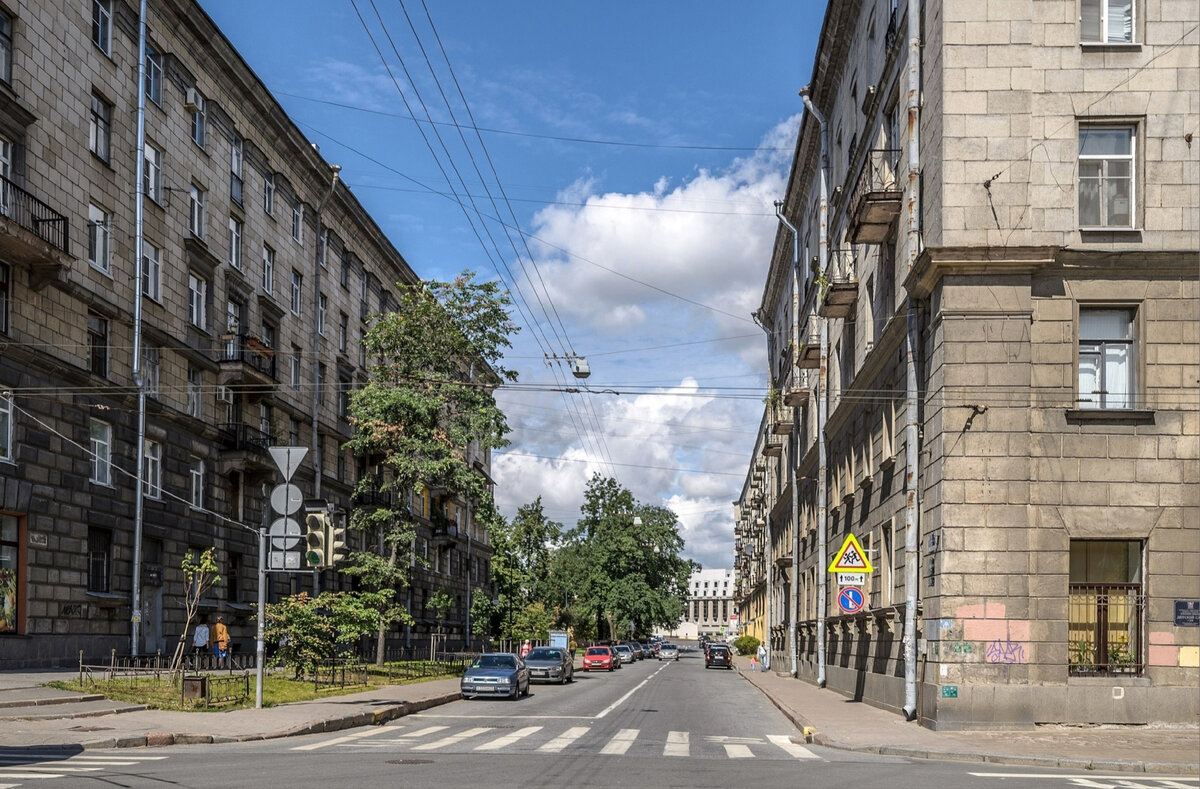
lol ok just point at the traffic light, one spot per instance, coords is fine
(337, 550)
(317, 538)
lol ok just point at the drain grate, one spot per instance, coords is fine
(410, 761)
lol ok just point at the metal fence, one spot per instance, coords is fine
(1105, 629)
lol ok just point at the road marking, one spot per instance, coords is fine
(563, 740)
(737, 740)
(453, 739)
(620, 742)
(677, 744)
(508, 739)
(1165, 782)
(507, 717)
(358, 735)
(44, 756)
(799, 751)
(56, 768)
(412, 735)
(734, 751)
(621, 700)
(28, 776)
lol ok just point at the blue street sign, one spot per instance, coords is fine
(851, 599)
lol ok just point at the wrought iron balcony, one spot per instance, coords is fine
(33, 233)
(875, 203)
(244, 448)
(839, 285)
(247, 360)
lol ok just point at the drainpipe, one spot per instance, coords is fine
(794, 454)
(318, 459)
(135, 596)
(911, 427)
(822, 403)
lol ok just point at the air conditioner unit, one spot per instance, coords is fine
(224, 394)
(193, 100)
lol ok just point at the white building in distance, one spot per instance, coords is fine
(711, 608)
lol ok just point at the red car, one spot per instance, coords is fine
(598, 659)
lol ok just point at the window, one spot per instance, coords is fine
(270, 334)
(100, 127)
(1106, 176)
(195, 389)
(1106, 607)
(268, 269)
(97, 328)
(264, 419)
(6, 428)
(298, 222)
(6, 47)
(151, 366)
(344, 276)
(151, 271)
(235, 170)
(1106, 378)
(199, 117)
(343, 403)
(6, 162)
(323, 245)
(11, 585)
(102, 25)
(294, 431)
(152, 470)
(343, 331)
(152, 173)
(1106, 21)
(98, 236)
(295, 376)
(269, 193)
(196, 211)
(235, 242)
(154, 74)
(233, 328)
(5, 295)
(322, 309)
(197, 300)
(297, 291)
(197, 488)
(101, 448)
(99, 548)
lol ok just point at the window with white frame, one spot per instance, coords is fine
(295, 367)
(265, 420)
(199, 117)
(269, 193)
(195, 392)
(235, 170)
(297, 291)
(102, 11)
(1106, 21)
(154, 73)
(322, 308)
(268, 269)
(6, 428)
(1106, 176)
(152, 173)
(235, 242)
(151, 367)
(101, 448)
(298, 222)
(196, 218)
(233, 327)
(151, 271)
(197, 300)
(152, 470)
(1106, 357)
(197, 478)
(100, 127)
(98, 238)
(6, 186)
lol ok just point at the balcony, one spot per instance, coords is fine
(839, 285)
(781, 421)
(810, 358)
(875, 203)
(33, 234)
(247, 361)
(372, 500)
(244, 448)
(772, 450)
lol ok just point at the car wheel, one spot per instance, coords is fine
(610, 668)
(571, 676)
(528, 685)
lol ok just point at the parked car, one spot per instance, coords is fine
(654, 647)
(625, 653)
(639, 653)
(718, 655)
(495, 674)
(599, 659)
(550, 664)
(668, 652)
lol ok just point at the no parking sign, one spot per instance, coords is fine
(850, 599)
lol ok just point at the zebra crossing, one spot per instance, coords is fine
(575, 740)
(18, 768)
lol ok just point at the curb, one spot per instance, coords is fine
(373, 718)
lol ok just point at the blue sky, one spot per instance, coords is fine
(633, 151)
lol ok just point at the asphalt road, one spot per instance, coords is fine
(649, 724)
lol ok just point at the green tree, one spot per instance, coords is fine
(311, 630)
(521, 555)
(199, 575)
(425, 411)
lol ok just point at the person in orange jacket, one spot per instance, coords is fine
(220, 641)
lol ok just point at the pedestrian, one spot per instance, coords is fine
(525, 648)
(762, 656)
(221, 642)
(200, 638)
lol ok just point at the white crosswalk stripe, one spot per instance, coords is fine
(563, 740)
(453, 739)
(508, 739)
(620, 742)
(678, 744)
(738, 751)
(39, 766)
(799, 751)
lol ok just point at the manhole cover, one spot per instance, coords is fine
(410, 761)
(90, 728)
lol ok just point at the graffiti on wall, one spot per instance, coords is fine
(1005, 652)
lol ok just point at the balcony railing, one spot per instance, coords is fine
(877, 196)
(35, 216)
(243, 438)
(839, 284)
(1105, 627)
(249, 351)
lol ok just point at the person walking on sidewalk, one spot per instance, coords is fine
(221, 642)
(762, 657)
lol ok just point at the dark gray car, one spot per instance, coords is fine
(550, 664)
(495, 674)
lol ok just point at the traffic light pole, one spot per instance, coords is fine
(259, 646)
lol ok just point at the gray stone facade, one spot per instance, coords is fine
(1057, 317)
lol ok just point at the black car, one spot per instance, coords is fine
(550, 664)
(718, 655)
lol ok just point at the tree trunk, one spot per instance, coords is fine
(381, 637)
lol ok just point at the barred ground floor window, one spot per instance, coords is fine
(1107, 608)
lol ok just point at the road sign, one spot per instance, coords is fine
(850, 599)
(851, 558)
(852, 579)
(288, 459)
(286, 499)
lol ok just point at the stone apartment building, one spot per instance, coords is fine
(982, 322)
(261, 271)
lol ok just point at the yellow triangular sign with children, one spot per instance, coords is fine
(851, 558)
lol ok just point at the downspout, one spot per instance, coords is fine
(822, 404)
(139, 219)
(911, 426)
(794, 455)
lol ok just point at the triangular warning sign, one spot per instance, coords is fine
(851, 558)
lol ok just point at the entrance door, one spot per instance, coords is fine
(152, 635)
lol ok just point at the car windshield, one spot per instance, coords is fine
(597, 650)
(623, 648)
(543, 653)
(495, 661)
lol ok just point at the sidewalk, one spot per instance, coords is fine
(831, 719)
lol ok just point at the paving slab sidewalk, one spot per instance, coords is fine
(831, 719)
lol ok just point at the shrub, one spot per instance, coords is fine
(746, 645)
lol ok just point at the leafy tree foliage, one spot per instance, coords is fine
(521, 552)
(199, 575)
(311, 630)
